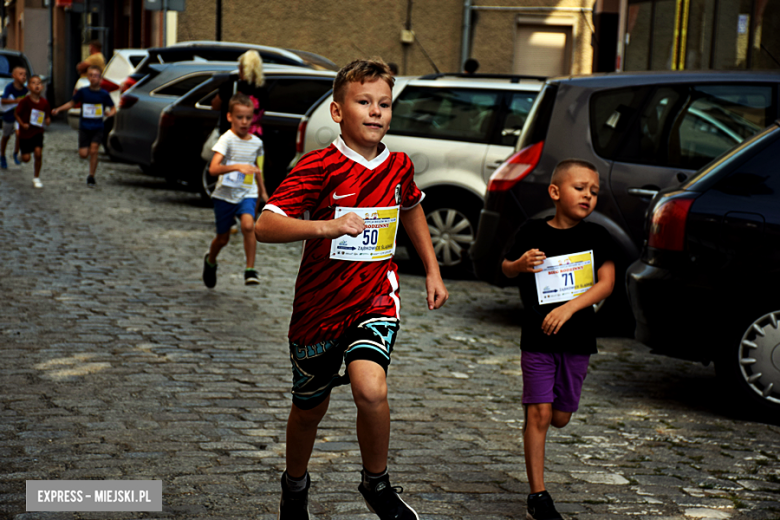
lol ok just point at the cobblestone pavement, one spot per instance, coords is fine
(118, 364)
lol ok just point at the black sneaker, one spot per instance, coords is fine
(294, 505)
(209, 273)
(541, 507)
(383, 500)
(90, 181)
(251, 277)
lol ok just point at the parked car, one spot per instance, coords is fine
(186, 123)
(10, 60)
(456, 129)
(706, 287)
(644, 132)
(225, 51)
(118, 68)
(136, 121)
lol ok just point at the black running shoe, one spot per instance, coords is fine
(251, 277)
(209, 273)
(91, 181)
(294, 506)
(541, 507)
(383, 500)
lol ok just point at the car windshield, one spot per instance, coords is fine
(8, 62)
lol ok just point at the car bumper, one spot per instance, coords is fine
(672, 317)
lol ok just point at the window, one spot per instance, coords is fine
(445, 113)
(758, 176)
(205, 102)
(612, 112)
(716, 119)
(297, 95)
(519, 106)
(181, 86)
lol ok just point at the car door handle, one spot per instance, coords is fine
(495, 164)
(643, 192)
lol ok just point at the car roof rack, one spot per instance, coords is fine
(513, 78)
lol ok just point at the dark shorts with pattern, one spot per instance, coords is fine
(316, 368)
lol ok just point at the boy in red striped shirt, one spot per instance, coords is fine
(355, 192)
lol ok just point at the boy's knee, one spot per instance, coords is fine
(560, 419)
(222, 239)
(540, 415)
(311, 417)
(83, 152)
(248, 228)
(370, 396)
(25, 158)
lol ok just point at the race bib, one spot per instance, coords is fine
(564, 277)
(91, 111)
(237, 179)
(37, 117)
(377, 242)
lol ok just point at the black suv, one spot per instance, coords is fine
(644, 132)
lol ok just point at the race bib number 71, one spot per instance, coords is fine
(564, 277)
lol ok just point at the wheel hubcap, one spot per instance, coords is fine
(759, 357)
(451, 233)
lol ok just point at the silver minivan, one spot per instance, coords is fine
(457, 130)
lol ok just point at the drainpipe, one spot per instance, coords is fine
(464, 49)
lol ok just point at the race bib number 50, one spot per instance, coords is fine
(377, 242)
(564, 277)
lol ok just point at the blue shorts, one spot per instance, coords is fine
(553, 378)
(315, 368)
(226, 212)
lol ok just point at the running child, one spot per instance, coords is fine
(32, 113)
(13, 93)
(346, 308)
(96, 103)
(237, 157)
(558, 330)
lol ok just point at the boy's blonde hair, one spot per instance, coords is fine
(96, 68)
(252, 67)
(361, 71)
(242, 99)
(565, 165)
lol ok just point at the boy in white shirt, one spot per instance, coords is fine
(237, 159)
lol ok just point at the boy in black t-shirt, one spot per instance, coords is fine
(566, 266)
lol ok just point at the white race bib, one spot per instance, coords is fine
(564, 277)
(37, 117)
(237, 179)
(377, 242)
(91, 111)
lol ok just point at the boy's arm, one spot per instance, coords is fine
(217, 168)
(524, 264)
(275, 228)
(111, 111)
(557, 317)
(66, 106)
(417, 228)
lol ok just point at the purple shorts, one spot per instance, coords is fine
(553, 378)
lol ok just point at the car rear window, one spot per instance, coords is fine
(181, 86)
(8, 62)
(445, 113)
(296, 95)
(535, 129)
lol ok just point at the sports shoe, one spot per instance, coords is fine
(37, 183)
(383, 500)
(90, 181)
(16, 159)
(294, 505)
(209, 272)
(251, 277)
(3, 162)
(541, 507)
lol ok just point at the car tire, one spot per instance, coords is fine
(452, 216)
(207, 184)
(749, 365)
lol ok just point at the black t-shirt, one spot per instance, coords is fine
(576, 336)
(229, 88)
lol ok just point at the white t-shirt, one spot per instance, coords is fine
(234, 187)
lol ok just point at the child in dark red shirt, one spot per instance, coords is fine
(32, 113)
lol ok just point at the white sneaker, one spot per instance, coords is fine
(37, 183)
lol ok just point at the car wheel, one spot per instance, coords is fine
(452, 221)
(751, 368)
(208, 184)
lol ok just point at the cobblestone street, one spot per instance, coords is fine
(117, 363)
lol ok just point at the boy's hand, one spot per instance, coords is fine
(55, 111)
(26, 126)
(528, 262)
(555, 319)
(248, 169)
(48, 121)
(437, 293)
(350, 224)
